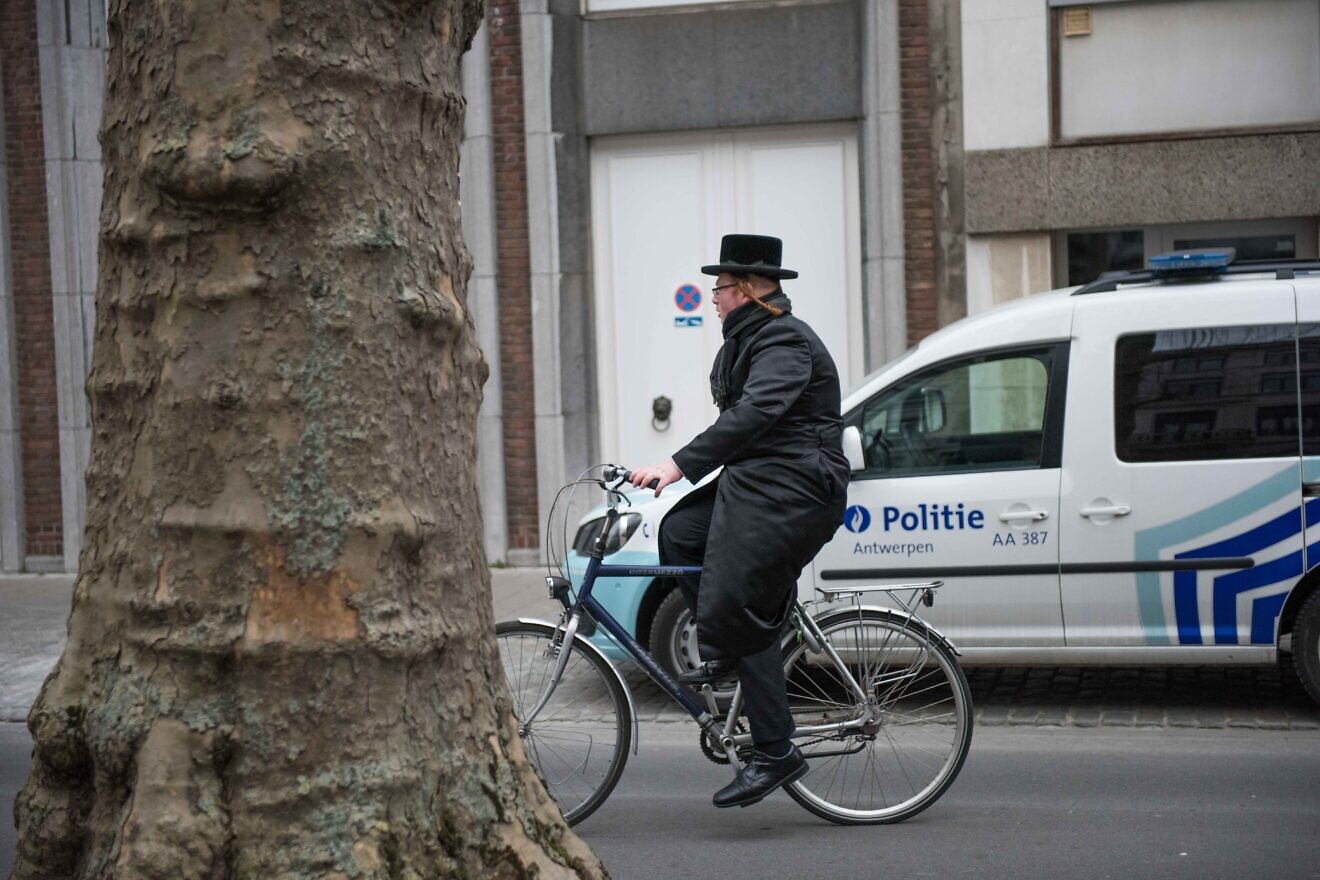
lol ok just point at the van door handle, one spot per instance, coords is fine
(1310, 490)
(1112, 510)
(1022, 516)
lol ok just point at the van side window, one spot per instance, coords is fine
(985, 413)
(1208, 394)
(1308, 353)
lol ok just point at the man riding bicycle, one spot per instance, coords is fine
(779, 499)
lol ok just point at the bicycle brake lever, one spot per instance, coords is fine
(615, 491)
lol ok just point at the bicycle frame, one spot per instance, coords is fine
(703, 715)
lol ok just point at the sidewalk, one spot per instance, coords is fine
(34, 614)
(34, 611)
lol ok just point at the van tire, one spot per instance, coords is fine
(676, 650)
(1306, 645)
(665, 643)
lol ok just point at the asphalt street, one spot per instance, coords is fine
(1127, 773)
(1030, 802)
(1063, 802)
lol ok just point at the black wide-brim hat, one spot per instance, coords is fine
(751, 255)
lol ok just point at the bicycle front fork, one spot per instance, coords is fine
(564, 649)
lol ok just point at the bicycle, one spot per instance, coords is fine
(870, 683)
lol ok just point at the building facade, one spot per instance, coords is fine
(1099, 135)
(921, 159)
(612, 142)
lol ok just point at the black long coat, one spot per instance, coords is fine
(783, 490)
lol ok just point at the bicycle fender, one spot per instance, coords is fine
(590, 646)
(934, 634)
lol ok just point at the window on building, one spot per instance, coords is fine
(1207, 393)
(1091, 254)
(980, 414)
(1083, 255)
(1248, 247)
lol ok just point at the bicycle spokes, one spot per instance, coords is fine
(893, 752)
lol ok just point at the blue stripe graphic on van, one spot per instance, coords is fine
(1150, 543)
(1228, 586)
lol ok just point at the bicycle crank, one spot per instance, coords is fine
(711, 748)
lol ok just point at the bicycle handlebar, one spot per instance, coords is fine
(619, 472)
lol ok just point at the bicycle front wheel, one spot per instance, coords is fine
(579, 741)
(916, 719)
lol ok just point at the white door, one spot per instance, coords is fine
(962, 485)
(660, 204)
(1180, 515)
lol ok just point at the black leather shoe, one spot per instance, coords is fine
(708, 671)
(762, 775)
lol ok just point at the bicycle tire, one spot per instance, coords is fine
(588, 702)
(897, 654)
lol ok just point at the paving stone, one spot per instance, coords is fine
(1085, 716)
(1269, 721)
(1024, 715)
(1052, 716)
(1150, 716)
(1181, 717)
(1118, 718)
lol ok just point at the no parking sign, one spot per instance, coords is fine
(688, 299)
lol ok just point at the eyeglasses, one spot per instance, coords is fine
(715, 291)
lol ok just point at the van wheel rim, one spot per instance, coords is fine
(683, 650)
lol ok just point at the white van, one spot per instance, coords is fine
(1122, 473)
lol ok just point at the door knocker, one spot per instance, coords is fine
(661, 408)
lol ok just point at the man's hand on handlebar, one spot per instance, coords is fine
(659, 476)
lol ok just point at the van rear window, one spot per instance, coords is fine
(1208, 393)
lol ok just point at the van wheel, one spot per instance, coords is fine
(1306, 645)
(674, 643)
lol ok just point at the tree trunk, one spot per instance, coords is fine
(281, 659)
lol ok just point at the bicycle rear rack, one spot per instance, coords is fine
(923, 592)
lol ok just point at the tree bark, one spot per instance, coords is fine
(281, 659)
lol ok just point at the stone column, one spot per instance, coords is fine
(558, 239)
(884, 298)
(477, 193)
(71, 38)
(11, 463)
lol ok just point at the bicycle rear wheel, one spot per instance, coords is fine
(579, 741)
(920, 730)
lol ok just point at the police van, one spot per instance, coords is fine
(1123, 473)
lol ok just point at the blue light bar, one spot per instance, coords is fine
(1199, 262)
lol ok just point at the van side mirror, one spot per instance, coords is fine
(852, 448)
(932, 403)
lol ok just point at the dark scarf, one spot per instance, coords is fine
(741, 324)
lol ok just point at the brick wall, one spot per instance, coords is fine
(918, 168)
(29, 239)
(513, 274)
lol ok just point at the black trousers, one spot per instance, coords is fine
(765, 693)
